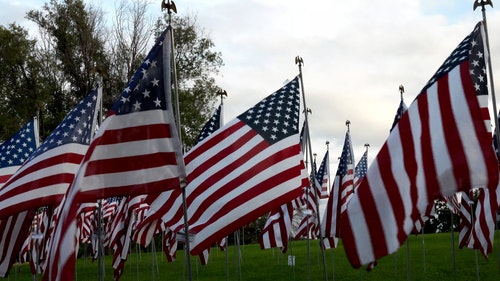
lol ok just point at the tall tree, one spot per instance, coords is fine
(74, 34)
(23, 90)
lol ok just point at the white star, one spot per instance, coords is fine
(157, 102)
(155, 82)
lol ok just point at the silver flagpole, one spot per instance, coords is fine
(170, 6)
(222, 94)
(483, 3)
(299, 62)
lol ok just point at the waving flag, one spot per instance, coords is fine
(17, 149)
(50, 169)
(135, 151)
(485, 218)
(439, 146)
(323, 176)
(360, 170)
(241, 171)
(465, 214)
(340, 195)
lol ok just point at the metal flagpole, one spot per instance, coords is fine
(170, 6)
(401, 92)
(299, 61)
(483, 3)
(222, 94)
(453, 247)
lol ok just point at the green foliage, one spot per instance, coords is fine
(75, 50)
(257, 264)
(24, 88)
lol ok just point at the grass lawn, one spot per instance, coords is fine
(257, 264)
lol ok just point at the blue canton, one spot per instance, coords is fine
(277, 116)
(360, 169)
(14, 151)
(211, 126)
(346, 157)
(146, 88)
(471, 49)
(322, 169)
(76, 127)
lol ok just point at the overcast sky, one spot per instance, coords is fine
(356, 54)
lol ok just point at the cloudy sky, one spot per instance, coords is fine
(356, 54)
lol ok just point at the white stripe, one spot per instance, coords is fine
(134, 119)
(359, 226)
(132, 148)
(444, 172)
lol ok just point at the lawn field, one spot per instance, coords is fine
(429, 256)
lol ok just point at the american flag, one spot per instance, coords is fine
(465, 214)
(277, 228)
(13, 153)
(439, 146)
(340, 195)
(241, 171)
(17, 149)
(49, 170)
(135, 151)
(323, 176)
(485, 218)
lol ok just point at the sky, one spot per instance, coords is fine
(356, 55)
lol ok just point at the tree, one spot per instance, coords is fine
(23, 88)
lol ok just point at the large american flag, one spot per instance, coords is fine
(340, 195)
(439, 146)
(241, 171)
(135, 151)
(50, 169)
(17, 149)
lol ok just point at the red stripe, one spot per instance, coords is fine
(130, 163)
(411, 167)
(4, 178)
(132, 189)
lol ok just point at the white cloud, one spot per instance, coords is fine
(356, 54)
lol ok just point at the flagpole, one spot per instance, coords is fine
(170, 6)
(299, 61)
(328, 191)
(483, 3)
(222, 94)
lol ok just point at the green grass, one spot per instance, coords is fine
(262, 265)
